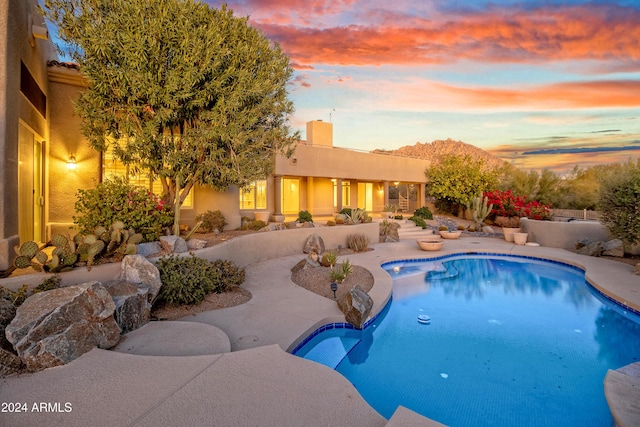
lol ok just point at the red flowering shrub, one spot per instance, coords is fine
(507, 204)
(116, 200)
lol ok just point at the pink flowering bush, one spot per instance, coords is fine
(116, 200)
(507, 204)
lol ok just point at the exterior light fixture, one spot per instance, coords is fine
(334, 288)
(71, 163)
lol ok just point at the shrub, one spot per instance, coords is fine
(116, 200)
(331, 223)
(419, 221)
(423, 213)
(358, 242)
(19, 296)
(228, 275)
(211, 221)
(345, 211)
(398, 217)
(256, 225)
(620, 203)
(304, 216)
(385, 227)
(188, 280)
(507, 204)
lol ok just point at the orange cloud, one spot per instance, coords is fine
(424, 95)
(503, 35)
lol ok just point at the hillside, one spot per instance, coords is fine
(437, 149)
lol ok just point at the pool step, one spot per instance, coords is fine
(331, 351)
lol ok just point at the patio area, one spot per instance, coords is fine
(258, 382)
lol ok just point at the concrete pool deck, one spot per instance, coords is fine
(258, 382)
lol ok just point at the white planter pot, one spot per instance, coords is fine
(520, 238)
(262, 216)
(508, 233)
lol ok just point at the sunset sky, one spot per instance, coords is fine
(541, 83)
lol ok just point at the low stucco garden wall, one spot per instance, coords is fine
(243, 251)
(556, 234)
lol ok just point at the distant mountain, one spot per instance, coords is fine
(435, 150)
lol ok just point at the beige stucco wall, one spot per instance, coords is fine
(16, 18)
(320, 133)
(206, 198)
(556, 234)
(333, 162)
(66, 139)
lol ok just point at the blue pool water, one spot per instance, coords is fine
(511, 342)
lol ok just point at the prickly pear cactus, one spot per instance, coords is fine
(29, 249)
(22, 261)
(58, 240)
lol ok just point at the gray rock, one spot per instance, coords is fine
(614, 248)
(592, 249)
(488, 229)
(195, 244)
(636, 269)
(174, 244)
(132, 304)
(582, 242)
(315, 244)
(149, 248)
(55, 327)
(10, 363)
(356, 306)
(7, 313)
(137, 269)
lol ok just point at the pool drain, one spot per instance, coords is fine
(424, 319)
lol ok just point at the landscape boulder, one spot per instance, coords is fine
(10, 363)
(139, 270)
(174, 244)
(636, 269)
(149, 248)
(7, 313)
(592, 249)
(614, 248)
(53, 328)
(195, 244)
(132, 304)
(356, 306)
(314, 244)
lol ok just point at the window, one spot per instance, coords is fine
(346, 193)
(112, 167)
(254, 196)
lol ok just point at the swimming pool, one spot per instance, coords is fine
(511, 341)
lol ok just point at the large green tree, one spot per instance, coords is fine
(458, 179)
(620, 201)
(190, 94)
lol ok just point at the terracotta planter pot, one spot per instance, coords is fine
(430, 245)
(450, 234)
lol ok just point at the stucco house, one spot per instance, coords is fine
(44, 158)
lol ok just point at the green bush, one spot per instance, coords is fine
(188, 280)
(256, 225)
(19, 296)
(211, 221)
(423, 213)
(304, 216)
(116, 200)
(227, 275)
(620, 203)
(418, 221)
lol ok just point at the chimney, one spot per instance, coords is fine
(320, 133)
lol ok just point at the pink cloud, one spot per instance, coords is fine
(505, 35)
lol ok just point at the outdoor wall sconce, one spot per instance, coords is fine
(71, 163)
(334, 288)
